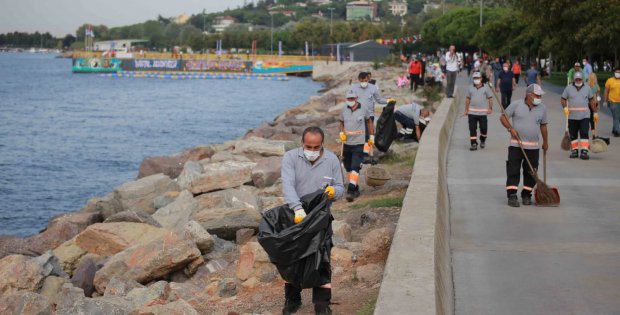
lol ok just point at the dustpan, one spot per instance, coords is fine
(598, 145)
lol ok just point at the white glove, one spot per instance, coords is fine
(300, 214)
(598, 98)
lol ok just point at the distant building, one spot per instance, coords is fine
(318, 14)
(288, 13)
(429, 6)
(361, 10)
(398, 7)
(301, 4)
(321, 2)
(221, 23)
(121, 45)
(182, 19)
(368, 50)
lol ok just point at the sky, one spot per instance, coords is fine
(61, 17)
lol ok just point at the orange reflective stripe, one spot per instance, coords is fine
(524, 142)
(366, 148)
(354, 133)
(578, 109)
(512, 187)
(472, 138)
(527, 188)
(354, 177)
(584, 144)
(574, 144)
(478, 110)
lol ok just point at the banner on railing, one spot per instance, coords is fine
(404, 40)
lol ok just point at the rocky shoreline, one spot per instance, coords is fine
(180, 238)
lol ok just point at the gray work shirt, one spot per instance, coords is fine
(300, 177)
(578, 101)
(411, 111)
(530, 76)
(479, 100)
(368, 97)
(527, 123)
(354, 124)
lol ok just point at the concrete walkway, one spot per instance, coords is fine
(533, 260)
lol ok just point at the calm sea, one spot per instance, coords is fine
(65, 137)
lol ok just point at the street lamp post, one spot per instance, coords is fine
(272, 34)
(331, 16)
(480, 48)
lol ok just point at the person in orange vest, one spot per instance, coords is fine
(516, 69)
(415, 70)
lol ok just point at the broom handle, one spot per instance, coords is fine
(545, 165)
(518, 138)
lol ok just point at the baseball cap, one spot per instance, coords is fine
(578, 75)
(534, 88)
(477, 75)
(577, 64)
(351, 94)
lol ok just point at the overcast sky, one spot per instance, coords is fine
(61, 17)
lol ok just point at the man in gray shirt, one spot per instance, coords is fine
(478, 104)
(304, 171)
(411, 117)
(529, 119)
(577, 100)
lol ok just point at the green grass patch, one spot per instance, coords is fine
(368, 308)
(392, 159)
(380, 203)
(432, 94)
(559, 78)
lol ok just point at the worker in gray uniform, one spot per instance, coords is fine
(529, 121)
(306, 170)
(367, 95)
(577, 100)
(412, 117)
(478, 104)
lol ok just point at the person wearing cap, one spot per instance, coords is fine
(612, 98)
(478, 104)
(577, 101)
(367, 95)
(529, 121)
(354, 121)
(412, 117)
(304, 171)
(570, 76)
(505, 84)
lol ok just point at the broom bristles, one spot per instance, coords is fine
(546, 195)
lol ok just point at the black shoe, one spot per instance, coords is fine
(574, 154)
(616, 134)
(324, 311)
(481, 145)
(526, 200)
(513, 201)
(584, 155)
(474, 147)
(292, 299)
(321, 297)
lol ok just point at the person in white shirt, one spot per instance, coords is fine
(452, 69)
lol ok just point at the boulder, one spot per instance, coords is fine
(224, 156)
(222, 248)
(341, 257)
(139, 195)
(53, 236)
(25, 303)
(250, 283)
(81, 219)
(204, 241)
(106, 205)
(119, 286)
(193, 295)
(17, 273)
(371, 273)
(342, 230)
(149, 261)
(191, 171)
(67, 296)
(50, 265)
(253, 262)
(156, 293)
(267, 171)
(68, 255)
(107, 239)
(173, 165)
(268, 203)
(51, 286)
(178, 213)
(222, 175)
(165, 199)
(229, 198)
(84, 275)
(369, 218)
(95, 306)
(227, 288)
(179, 307)
(133, 216)
(377, 241)
(272, 191)
(243, 236)
(225, 222)
(193, 266)
(263, 147)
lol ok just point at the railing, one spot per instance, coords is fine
(159, 55)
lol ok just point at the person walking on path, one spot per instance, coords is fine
(415, 71)
(532, 75)
(587, 68)
(478, 104)
(570, 76)
(452, 69)
(413, 118)
(505, 84)
(529, 121)
(612, 98)
(354, 121)
(596, 91)
(496, 66)
(577, 99)
(304, 171)
(516, 69)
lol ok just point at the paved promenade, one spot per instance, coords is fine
(533, 260)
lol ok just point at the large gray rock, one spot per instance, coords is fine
(139, 195)
(141, 297)
(165, 199)
(377, 241)
(204, 241)
(191, 171)
(371, 273)
(18, 272)
(268, 203)
(84, 275)
(25, 303)
(342, 230)
(178, 213)
(229, 198)
(51, 286)
(95, 306)
(224, 156)
(173, 165)
(133, 216)
(222, 175)
(106, 239)
(120, 286)
(106, 205)
(225, 222)
(50, 265)
(146, 262)
(267, 171)
(81, 219)
(263, 147)
(57, 232)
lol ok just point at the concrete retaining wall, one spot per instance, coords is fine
(418, 273)
(323, 69)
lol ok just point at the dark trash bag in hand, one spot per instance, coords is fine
(386, 128)
(301, 252)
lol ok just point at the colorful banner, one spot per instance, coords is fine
(405, 40)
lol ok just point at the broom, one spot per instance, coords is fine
(545, 195)
(565, 144)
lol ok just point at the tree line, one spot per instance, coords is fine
(36, 39)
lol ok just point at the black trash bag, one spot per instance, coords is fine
(300, 252)
(386, 128)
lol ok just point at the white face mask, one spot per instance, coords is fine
(506, 69)
(537, 101)
(364, 84)
(350, 103)
(578, 84)
(617, 75)
(476, 82)
(312, 155)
